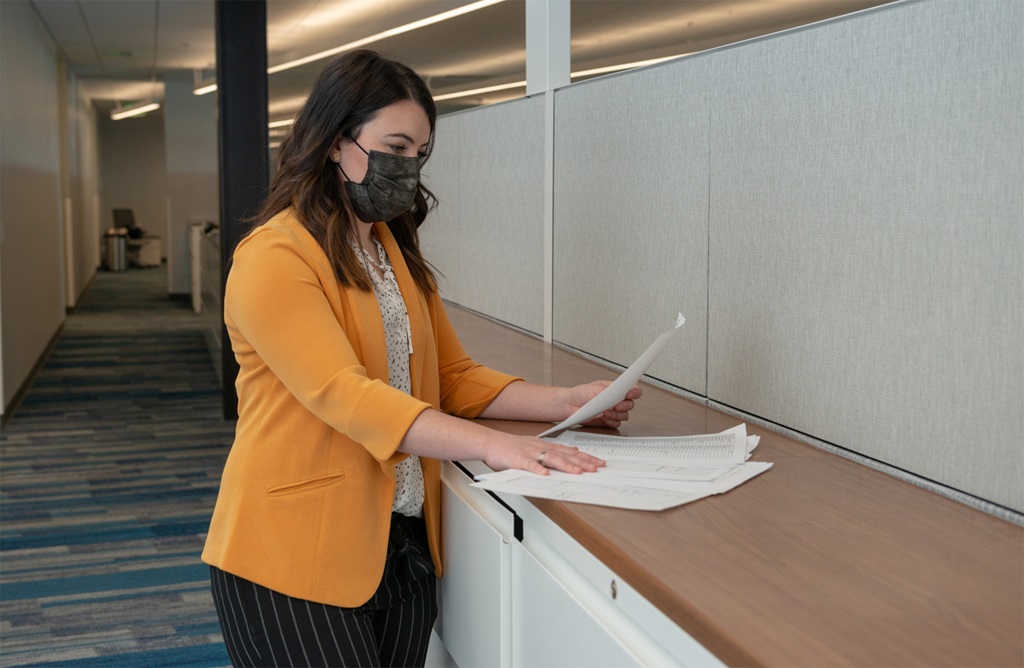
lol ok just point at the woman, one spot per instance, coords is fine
(324, 543)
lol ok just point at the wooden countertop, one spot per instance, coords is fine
(820, 561)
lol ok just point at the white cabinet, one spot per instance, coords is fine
(519, 591)
(474, 619)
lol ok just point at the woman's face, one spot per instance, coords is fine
(401, 128)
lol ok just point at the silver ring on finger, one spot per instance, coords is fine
(541, 456)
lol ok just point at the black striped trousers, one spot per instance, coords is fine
(262, 627)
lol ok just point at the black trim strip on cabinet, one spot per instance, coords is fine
(517, 521)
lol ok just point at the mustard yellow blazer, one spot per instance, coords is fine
(305, 500)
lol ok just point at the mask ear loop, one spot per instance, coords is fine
(336, 159)
(353, 140)
(337, 156)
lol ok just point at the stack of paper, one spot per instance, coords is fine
(642, 473)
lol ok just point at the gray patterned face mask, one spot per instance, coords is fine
(387, 190)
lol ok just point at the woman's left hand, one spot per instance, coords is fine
(611, 418)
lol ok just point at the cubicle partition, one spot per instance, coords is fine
(631, 217)
(487, 234)
(867, 238)
(837, 210)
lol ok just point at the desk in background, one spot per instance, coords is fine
(145, 252)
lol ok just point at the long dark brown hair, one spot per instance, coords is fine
(349, 92)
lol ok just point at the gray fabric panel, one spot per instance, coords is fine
(867, 240)
(630, 221)
(487, 234)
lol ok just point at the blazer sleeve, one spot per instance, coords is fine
(467, 388)
(277, 307)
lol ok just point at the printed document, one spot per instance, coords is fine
(728, 447)
(601, 489)
(652, 473)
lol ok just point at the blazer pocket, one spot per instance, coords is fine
(312, 485)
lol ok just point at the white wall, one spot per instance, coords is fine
(79, 170)
(31, 242)
(49, 228)
(190, 131)
(84, 173)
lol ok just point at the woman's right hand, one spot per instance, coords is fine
(537, 456)
(439, 436)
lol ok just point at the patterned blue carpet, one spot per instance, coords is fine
(110, 468)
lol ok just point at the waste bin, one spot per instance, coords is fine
(115, 245)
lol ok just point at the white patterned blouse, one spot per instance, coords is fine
(408, 474)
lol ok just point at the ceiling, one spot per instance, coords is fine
(121, 49)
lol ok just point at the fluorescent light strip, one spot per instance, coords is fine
(280, 124)
(203, 90)
(479, 91)
(619, 68)
(584, 73)
(134, 111)
(415, 25)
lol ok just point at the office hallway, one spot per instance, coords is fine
(108, 474)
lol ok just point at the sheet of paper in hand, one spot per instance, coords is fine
(616, 392)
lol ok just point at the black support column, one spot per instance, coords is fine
(242, 130)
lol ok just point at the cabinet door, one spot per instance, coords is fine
(551, 627)
(474, 617)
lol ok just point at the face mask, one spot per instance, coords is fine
(387, 190)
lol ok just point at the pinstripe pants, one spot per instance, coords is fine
(262, 627)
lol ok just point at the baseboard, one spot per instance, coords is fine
(12, 405)
(68, 310)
